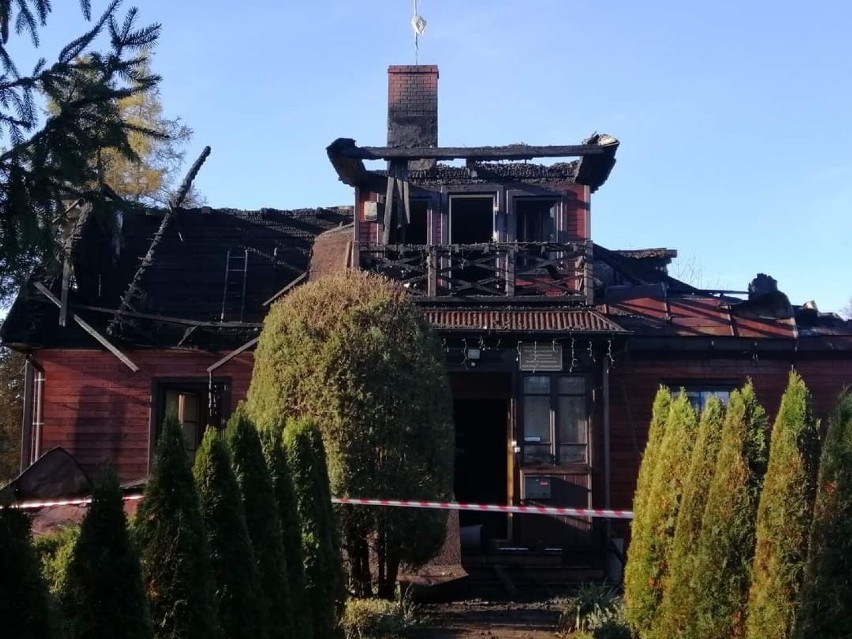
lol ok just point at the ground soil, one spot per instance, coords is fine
(481, 619)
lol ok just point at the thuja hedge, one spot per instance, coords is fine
(650, 548)
(25, 611)
(679, 596)
(634, 585)
(784, 516)
(172, 542)
(323, 573)
(725, 548)
(242, 610)
(291, 530)
(264, 524)
(102, 595)
(354, 354)
(826, 605)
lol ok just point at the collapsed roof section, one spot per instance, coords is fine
(204, 279)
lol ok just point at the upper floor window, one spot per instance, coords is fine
(471, 219)
(555, 419)
(417, 229)
(194, 405)
(535, 220)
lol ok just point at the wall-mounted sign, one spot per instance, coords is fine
(540, 356)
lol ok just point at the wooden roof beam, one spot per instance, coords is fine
(476, 153)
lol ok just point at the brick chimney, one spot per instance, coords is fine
(413, 105)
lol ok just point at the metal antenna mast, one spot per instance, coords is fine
(419, 26)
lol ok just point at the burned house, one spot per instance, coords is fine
(554, 344)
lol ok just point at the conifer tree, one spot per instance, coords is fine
(264, 525)
(678, 596)
(44, 162)
(725, 548)
(656, 428)
(323, 568)
(650, 550)
(353, 353)
(172, 542)
(784, 516)
(633, 584)
(291, 529)
(25, 611)
(826, 605)
(103, 596)
(242, 610)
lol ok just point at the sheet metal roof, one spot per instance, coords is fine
(521, 320)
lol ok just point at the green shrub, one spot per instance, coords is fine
(678, 596)
(355, 355)
(591, 606)
(242, 610)
(784, 516)
(54, 552)
(656, 429)
(323, 571)
(725, 548)
(264, 525)
(651, 543)
(102, 595)
(25, 611)
(635, 587)
(377, 618)
(826, 606)
(612, 629)
(172, 542)
(291, 529)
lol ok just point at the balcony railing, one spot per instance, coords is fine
(507, 269)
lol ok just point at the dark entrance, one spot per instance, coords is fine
(481, 462)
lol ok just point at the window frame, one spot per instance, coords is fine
(494, 195)
(200, 385)
(713, 386)
(556, 442)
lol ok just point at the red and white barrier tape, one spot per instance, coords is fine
(80, 501)
(489, 508)
(396, 503)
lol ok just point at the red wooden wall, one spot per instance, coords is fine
(97, 408)
(635, 380)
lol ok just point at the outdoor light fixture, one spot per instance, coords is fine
(474, 353)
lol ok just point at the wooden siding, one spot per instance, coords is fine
(635, 380)
(97, 409)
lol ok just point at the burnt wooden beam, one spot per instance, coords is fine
(510, 152)
(286, 288)
(232, 355)
(103, 341)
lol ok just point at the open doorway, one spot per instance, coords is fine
(481, 462)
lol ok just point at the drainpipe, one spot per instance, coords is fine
(606, 443)
(27, 418)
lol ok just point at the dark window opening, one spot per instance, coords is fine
(416, 231)
(535, 220)
(555, 420)
(194, 405)
(471, 219)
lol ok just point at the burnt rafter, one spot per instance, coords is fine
(133, 290)
(476, 153)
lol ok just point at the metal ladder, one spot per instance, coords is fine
(234, 294)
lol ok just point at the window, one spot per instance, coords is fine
(194, 405)
(416, 231)
(555, 419)
(471, 219)
(699, 393)
(535, 220)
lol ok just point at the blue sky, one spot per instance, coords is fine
(734, 117)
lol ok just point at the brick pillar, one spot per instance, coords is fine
(413, 105)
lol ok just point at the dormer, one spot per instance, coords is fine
(471, 222)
